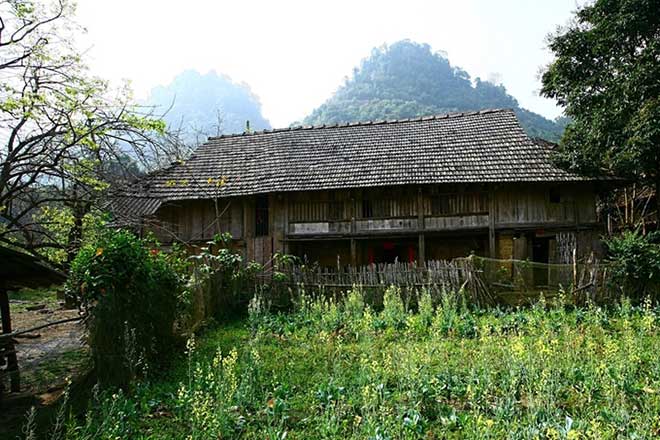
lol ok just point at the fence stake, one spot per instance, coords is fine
(8, 345)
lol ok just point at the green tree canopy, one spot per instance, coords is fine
(407, 79)
(606, 74)
(64, 133)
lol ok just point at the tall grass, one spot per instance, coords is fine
(340, 370)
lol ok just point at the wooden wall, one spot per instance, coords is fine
(518, 205)
(472, 209)
(444, 207)
(195, 220)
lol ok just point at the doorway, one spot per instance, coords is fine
(541, 254)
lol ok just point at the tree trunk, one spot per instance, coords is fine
(79, 209)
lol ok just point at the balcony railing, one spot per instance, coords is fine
(381, 225)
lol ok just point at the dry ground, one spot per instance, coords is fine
(47, 358)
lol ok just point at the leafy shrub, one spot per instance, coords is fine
(425, 307)
(354, 302)
(222, 283)
(131, 295)
(394, 313)
(635, 260)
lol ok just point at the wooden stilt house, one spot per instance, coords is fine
(429, 188)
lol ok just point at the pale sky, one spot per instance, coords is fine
(294, 54)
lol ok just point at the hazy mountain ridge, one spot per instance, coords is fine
(406, 79)
(207, 105)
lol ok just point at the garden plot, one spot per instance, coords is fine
(344, 370)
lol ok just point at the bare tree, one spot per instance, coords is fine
(64, 132)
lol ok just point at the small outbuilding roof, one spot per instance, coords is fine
(19, 270)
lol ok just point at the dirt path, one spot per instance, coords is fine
(43, 355)
(47, 358)
(37, 346)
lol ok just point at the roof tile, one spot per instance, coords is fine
(484, 146)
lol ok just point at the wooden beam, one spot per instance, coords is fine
(353, 253)
(8, 345)
(420, 210)
(285, 244)
(421, 250)
(421, 242)
(353, 212)
(491, 223)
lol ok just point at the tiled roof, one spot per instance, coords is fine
(22, 270)
(129, 210)
(484, 146)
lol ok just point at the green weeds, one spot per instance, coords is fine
(338, 370)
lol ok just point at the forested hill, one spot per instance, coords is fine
(207, 105)
(407, 80)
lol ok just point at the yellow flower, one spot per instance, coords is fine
(99, 252)
(552, 433)
(518, 348)
(573, 435)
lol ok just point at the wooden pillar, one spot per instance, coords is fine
(285, 235)
(353, 252)
(491, 223)
(248, 228)
(421, 242)
(353, 213)
(421, 258)
(8, 344)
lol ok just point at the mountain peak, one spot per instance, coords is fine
(407, 79)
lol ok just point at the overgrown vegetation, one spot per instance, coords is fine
(130, 294)
(635, 264)
(344, 370)
(140, 301)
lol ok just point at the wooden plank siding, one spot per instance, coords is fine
(197, 220)
(362, 213)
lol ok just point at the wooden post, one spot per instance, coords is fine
(285, 245)
(491, 223)
(575, 286)
(353, 252)
(8, 344)
(353, 213)
(421, 244)
(421, 226)
(248, 228)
